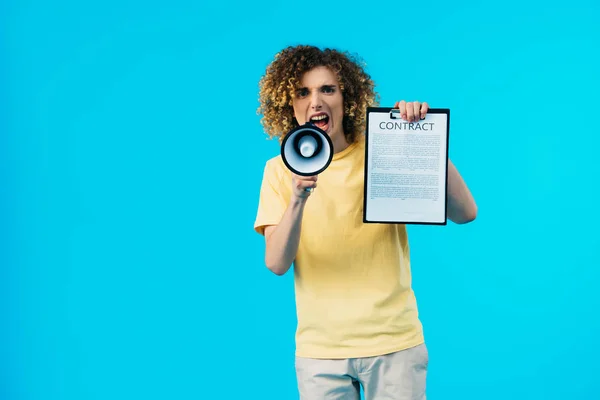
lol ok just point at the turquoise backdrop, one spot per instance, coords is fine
(131, 157)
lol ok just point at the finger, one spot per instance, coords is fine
(401, 105)
(308, 184)
(410, 113)
(417, 110)
(424, 109)
(307, 188)
(302, 182)
(307, 178)
(304, 177)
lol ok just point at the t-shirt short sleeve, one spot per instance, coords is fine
(271, 205)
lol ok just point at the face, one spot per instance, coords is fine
(320, 101)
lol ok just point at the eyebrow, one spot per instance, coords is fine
(322, 86)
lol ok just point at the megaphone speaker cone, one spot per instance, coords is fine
(307, 150)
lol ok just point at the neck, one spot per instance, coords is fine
(340, 144)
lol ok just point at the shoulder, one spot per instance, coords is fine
(275, 165)
(275, 169)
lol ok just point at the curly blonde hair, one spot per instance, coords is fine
(282, 79)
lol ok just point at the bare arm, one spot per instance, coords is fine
(461, 205)
(282, 240)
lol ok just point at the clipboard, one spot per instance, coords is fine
(406, 168)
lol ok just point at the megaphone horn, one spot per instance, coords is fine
(307, 150)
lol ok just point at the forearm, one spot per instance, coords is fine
(282, 243)
(461, 205)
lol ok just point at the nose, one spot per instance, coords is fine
(315, 100)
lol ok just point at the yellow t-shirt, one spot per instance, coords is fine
(352, 280)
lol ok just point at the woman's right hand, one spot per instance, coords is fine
(303, 185)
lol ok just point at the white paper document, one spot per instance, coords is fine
(406, 168)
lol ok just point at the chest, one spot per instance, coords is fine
(338, 196)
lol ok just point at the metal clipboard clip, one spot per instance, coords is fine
(395, 113)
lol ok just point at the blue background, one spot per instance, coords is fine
(131, 157)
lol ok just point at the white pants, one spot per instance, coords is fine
(395, 376)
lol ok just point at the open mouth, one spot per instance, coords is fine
(320, 120)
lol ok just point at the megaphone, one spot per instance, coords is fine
(307, 150)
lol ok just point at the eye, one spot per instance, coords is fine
(302, 93)
(328, 89)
